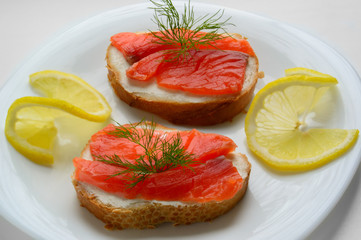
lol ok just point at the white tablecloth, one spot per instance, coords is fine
(26, 24)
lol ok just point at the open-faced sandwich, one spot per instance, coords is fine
(183, 73)
(141, 175)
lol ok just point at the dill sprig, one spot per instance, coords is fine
(160, 153)
(185, 32)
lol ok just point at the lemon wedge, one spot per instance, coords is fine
(30, 126)
(276, 124)
(71, 88)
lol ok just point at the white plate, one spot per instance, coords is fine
(41, 201)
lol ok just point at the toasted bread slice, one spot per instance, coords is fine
(121, 213)
(179, 107)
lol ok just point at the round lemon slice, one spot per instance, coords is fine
(71, 88)
(276, 124)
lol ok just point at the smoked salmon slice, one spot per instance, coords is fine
(213, 179)
(214, 69)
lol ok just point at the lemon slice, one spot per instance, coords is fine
(276, 124)
(70, 88)
(30, 126)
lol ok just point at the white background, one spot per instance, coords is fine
(26, 24)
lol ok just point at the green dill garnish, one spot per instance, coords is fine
(186, 32)
(160, 153)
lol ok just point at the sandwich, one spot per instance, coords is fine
(185, 76)
(142, 175)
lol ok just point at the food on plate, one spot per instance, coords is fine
(144, 174)
(183, 73)
(30, 126)
(280, 128)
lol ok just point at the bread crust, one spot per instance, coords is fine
(209, 112)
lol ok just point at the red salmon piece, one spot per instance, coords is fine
(215, 180)
(147, 67)
(232, 44)
(208, 72)
(136, 46)
(209, 145)
(102, 144)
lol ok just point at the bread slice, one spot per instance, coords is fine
(179, 107)
(121, 213)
